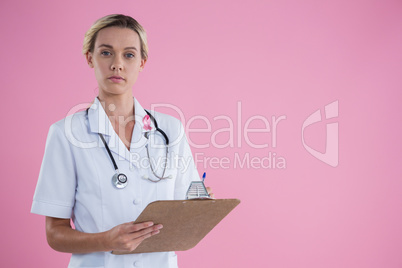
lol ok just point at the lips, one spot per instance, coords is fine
(116, 79)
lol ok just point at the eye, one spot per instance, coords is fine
(130, 55)
(105, 53)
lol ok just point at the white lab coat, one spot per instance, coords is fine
(75, 179)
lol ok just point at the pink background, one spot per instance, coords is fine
(277, 58)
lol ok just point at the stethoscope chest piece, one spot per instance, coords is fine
(119, 180)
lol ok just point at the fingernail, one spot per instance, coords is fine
(160, 226)
(150, 224)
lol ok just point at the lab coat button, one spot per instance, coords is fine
(137, 201)
(137, 264)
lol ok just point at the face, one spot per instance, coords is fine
(117, 60)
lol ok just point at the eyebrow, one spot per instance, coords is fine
(109, 46)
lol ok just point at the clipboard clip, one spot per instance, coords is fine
(197, 190)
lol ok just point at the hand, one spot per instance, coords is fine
(127, 237)
(211, 194)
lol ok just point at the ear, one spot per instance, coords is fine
(89, 59)
(142, 65)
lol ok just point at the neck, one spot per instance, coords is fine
(117, 106)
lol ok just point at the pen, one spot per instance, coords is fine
(203, 176)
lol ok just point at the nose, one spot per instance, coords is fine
(117, 64)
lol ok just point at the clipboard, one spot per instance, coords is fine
(185, 223)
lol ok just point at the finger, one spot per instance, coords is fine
(138, 226)
(146, 231)
(142, 235)
(153, 232)
(211, 194)
(136, 241)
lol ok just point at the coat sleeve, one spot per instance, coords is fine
(55, 190)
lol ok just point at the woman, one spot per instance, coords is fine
(78, 179)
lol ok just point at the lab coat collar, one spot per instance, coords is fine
(100, 123)
(98, 120)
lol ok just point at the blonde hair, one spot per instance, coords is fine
(117, 20)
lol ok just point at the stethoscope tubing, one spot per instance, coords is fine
(109, 152)
(119, 179)
(157, 128)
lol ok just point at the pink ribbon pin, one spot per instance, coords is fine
(147, 122)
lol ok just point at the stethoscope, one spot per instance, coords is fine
(119, 180)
